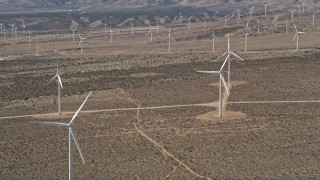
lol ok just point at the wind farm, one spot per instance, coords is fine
(160, 93)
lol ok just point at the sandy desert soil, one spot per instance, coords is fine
(257, 140)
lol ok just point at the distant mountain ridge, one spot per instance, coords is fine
(30, 5)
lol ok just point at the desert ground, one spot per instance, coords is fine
(270, 129)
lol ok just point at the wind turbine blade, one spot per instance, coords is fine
(75, 138)
(209, 72)
(52, 79)
(295, 27)
(50, 123)
(224, 63)
(60, 82)
(295, 37)
(225, 84)
(222, 55)
(236, 56)
(173, 39)
(75, 115)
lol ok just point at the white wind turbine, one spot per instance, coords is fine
(189, 22)
(205, 22)
(229, 53)
(258, 22)
(59, 82)
(213, 43)
(265, 9)
(169, 37)
(111, 35)
(23, 27)
(131, 28)
(221, 80)
(73, 30)
(150, 31)
(225, 21)
(299, 8)
(4, 32)
(80, 42)
(251, 11)
(157, 28)
(16, 34)
(292, 11)
(303, 7)
(313, 15)
(12, 26)
(180, 18)
(297, 36)
(29, 35)
(1, 27)
(239, 15)
(72, 136)
(275, 21)
(246, 33)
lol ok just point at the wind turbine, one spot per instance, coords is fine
(169, 37)
(258, 26)
(111, 35)
(189, 22)
(213, 43)
(265, 9)
(16, 34)
(80, 42)
(157, 27)
(222, 80)
(225, 21)
(229, 53)
(205, 22)
(131, 28)
(23, 27)
(297, 36)
(238, 12)
(299, 7)
(73, 30)
(292, 11)
(105, 26)
(246, 33)
(59, 82)
(251, 11)
(275, 21)
(72, 136)
(1, 27)
(313, 17)
(12, 25)
(4, 32)
(150, 31)
(180, 18)
(29, 37)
